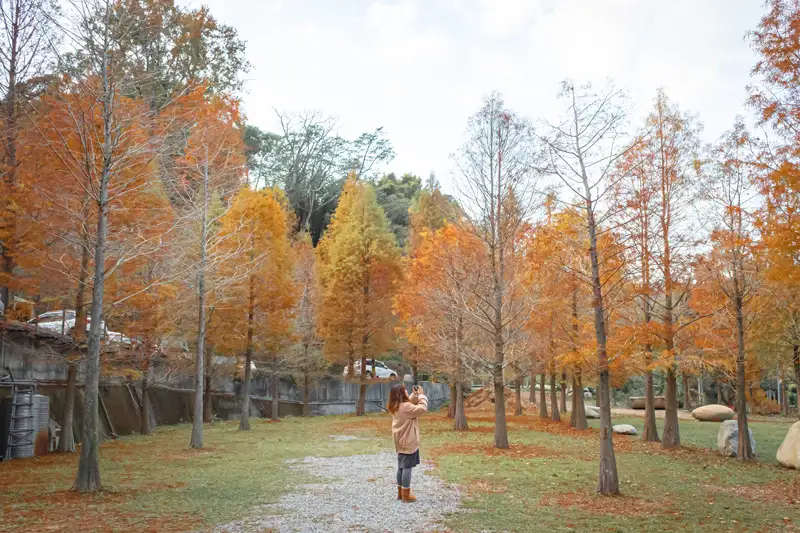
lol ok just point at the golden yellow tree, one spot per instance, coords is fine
(253, 315)
(359, 268)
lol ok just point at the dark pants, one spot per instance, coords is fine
(404, 477)
(405, 462)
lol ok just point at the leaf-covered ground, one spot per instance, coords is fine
(545, 482)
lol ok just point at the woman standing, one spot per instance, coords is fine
(405, 411)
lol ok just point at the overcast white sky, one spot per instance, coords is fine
(420, 68)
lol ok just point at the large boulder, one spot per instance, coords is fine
(728, 438)
(591, 411)
(625, 429)
(789, 453)
(713, 413)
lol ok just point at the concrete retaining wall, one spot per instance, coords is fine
(173, 402)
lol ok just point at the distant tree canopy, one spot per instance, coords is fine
(309, 161)
(396, 196)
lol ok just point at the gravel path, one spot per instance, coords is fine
(358, 494)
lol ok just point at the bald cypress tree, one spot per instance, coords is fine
(359, 267)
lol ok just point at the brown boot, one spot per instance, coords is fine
(408, 497)
(399, 492)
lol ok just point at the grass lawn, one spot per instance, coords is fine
(545, 482)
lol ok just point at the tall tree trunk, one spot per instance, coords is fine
(144, 408)
(672, 434)
(518, 396)
(564, 391)
(701, 391)
(244, 418)
(361, 410)
(543, 399)
(498, 243)
(362, 389)
(244, 415)
(79, 329)
(451, 409)
(687, 393)
(745, 452)
(650, 430)
(573, 404)
(208, 401)
(88, 476)
(720, 399)
(784, 398)
(8, 269)
(500, 425)
(580, 420)
(554, 397)
(67, 442)
(306, 390)
(796, 364)
(276, 384)
(607, 480)
(671, 437)
(197, 420)
(461, 415)
(532, 392)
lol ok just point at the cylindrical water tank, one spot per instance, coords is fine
(23, 427)
(41, 421)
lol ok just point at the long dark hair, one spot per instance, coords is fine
(398, 395)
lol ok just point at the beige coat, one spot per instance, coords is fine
(405, 423)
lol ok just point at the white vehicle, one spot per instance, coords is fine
(115, 336)
(377, 369)
(63, 322)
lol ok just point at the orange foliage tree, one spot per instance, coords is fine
(306, 359)
(774, 96)
(253, 314)
(25, 53)
(732, 266)
(433, 302)
(635, 195)
(654, 193)
(556, 255)
(430, 211)
(546, 261)
(98, 138)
